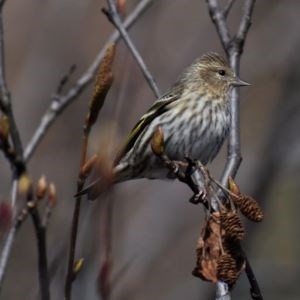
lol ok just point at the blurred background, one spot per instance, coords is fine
(155, 228)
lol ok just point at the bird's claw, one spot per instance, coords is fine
(198, 197)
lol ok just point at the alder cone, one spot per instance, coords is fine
(232, 225)
(249, 207)
(227, 269)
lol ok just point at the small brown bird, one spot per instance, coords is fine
(194, 116)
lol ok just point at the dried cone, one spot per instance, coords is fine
(157, 142)
(41, 188)
(246, 204)
(227, 269)
(249, 207)
(232, 225)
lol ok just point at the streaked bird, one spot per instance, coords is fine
(194, 116)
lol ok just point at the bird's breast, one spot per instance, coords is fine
(198, 130)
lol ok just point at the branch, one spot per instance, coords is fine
(233, 48)
(60, 102)
(228, 8)
(6, 250)
(102, 85)
(40, 232)
(5, 99)
(255, 290)
(218, 17)
(113, 16)
(246, 21)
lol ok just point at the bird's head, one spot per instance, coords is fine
(212, 73)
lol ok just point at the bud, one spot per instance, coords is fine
(52, 194)
(121, 7)
(24, 184)
(233, 187)
(157, 142)
(78, 266)
(5, 215)
(31, 204)
(88, 166)
(41, 188)
(4, 127)
(104, 278)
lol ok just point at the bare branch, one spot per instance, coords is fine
(59, 103)
(255, 290)
(113, 16)
(228, 8)
(218, 17)
(5, 99)
(6, 250)
(40, 232)
(245, 22)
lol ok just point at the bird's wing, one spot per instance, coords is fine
(158, 108)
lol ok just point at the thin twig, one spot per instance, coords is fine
(19, 168)
(218, 17)
(103, 83)
(113, 16)
(5, 99)
(5, 254)
(255, 290)
(228, 7)
(40, 232)
(60, 103)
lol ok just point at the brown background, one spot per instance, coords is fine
(155, 228)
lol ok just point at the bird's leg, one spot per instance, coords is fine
(200, 193)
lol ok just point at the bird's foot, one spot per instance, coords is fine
(199, 197)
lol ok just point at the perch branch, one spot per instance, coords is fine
(113, 16)
(60, 102)
(233, 48)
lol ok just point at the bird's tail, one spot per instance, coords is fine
(92, 190)
(103, 182)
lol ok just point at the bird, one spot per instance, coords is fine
(194, 116)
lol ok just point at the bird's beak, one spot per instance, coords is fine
(239, 82)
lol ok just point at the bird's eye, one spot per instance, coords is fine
(222, 72)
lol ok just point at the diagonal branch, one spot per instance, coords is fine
(245, 22)
(218, 17)
(60, 102)
(113, 16)
(5, 98)
(228, 7)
